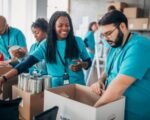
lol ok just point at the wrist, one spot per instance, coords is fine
(4, 78)
(84, 64)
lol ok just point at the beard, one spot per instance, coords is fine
(119, 40)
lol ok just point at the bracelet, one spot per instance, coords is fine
(4, 77)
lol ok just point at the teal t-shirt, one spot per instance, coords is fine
(90, 41)
(10, 38)
(134, 61)
(39, 67)
(56, 70)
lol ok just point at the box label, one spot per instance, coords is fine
(64, 117)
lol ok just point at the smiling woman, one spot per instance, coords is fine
(59, 50)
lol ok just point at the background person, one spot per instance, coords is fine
(39, 29)
(11, 37)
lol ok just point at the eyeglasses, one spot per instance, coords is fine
(108, 34)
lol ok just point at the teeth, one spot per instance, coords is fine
(64, 32)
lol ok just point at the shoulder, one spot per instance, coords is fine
(78, 39)
(89, 33)
(139, 42)
(43, 42)
(15, 30)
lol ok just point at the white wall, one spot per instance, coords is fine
(20, 14)
(90, 8)
(54, 5)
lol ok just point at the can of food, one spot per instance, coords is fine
(19, 81)
(30, 83)
(39, 82)
(33, 86)
(25, 79)
(47, 81)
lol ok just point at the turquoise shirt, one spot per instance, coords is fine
(134, 61)
(56, 70)
(40, 67)
(90, 41)
(11, 38)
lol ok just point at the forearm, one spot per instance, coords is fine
(11, 73)
(103, 77)
(111, 94)
(25, 64)
(21, 67)
(115, 90)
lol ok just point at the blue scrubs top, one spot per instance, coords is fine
(11, 38)
(133, 60)
(90, 41)
(56, 70)
(40, 67)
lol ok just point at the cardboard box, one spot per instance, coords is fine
(132, 12)
(7, 88)
(138, 24)
(76, 103)
(118, 5)
(31, 104)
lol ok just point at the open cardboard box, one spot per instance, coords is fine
(7, 87)
(31, 105)
(76, 103)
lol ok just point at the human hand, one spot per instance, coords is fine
(18, 53)
(4, 63)
(98, 87)
(76, 66)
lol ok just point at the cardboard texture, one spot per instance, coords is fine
(118, 5)
(132, 12)
(138, 23)
(31, 105)
(7, 88)
(76, 103)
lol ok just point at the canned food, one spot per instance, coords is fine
(25, 79)
(39, 85)
(33, 86)
(47, 81)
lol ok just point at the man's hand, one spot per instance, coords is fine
(98, 87)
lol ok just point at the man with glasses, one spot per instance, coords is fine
(127, 71)
(10, 36)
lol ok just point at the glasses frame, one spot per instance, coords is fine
(106, 35)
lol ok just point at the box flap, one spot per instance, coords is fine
(84, 95)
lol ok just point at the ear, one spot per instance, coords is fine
(122, 26)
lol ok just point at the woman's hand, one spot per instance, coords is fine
(77, 66)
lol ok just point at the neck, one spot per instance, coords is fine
(125, 37)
